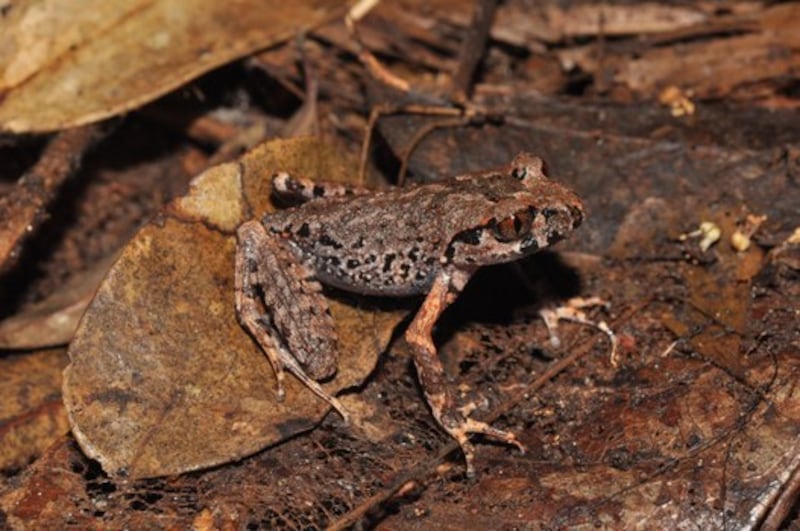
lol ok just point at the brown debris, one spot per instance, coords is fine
(52, 321)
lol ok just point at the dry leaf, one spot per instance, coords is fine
(71, 63)
(163, 379)
(31, 413)
(53, 321)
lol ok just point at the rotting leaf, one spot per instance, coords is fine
(68, 64)
(162, 377)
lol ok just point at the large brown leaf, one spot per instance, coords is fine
(71, 63)
(163, 379)
(31, 413)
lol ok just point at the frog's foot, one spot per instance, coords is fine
(281, 360)
(459, 428)
(292, 366)
(572, 310)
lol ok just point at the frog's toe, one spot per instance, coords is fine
(476, 426)
(572, 310)
(461, 429)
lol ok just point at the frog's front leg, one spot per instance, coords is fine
(446, 287)
(280, 303)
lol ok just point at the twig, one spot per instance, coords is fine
(470, 55)
(24, 209)
(472, 49)
(424, 131)
(387, 109)
(785, 503)
(373, 65)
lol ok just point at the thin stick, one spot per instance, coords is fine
(23, 210)
(387, 109)
(472, 49)
(373, 65)
(421, 134)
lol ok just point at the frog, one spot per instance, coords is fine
(418, 240)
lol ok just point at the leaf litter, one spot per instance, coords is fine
(698, 425)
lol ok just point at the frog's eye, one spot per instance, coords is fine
(528, 166)
(519, 173)
(514, 227)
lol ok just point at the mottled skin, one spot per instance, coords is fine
(426, 239)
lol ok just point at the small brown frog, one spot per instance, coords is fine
(424, 239)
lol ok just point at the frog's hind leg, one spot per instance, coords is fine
(262, 275)
(572, 310)
(431, 373)
(296, 190)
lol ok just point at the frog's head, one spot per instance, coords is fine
(525, 212)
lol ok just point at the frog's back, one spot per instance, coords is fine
(396, 242)
(386, 243)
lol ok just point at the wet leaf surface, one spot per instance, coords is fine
(163, 379)
(674, 442)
